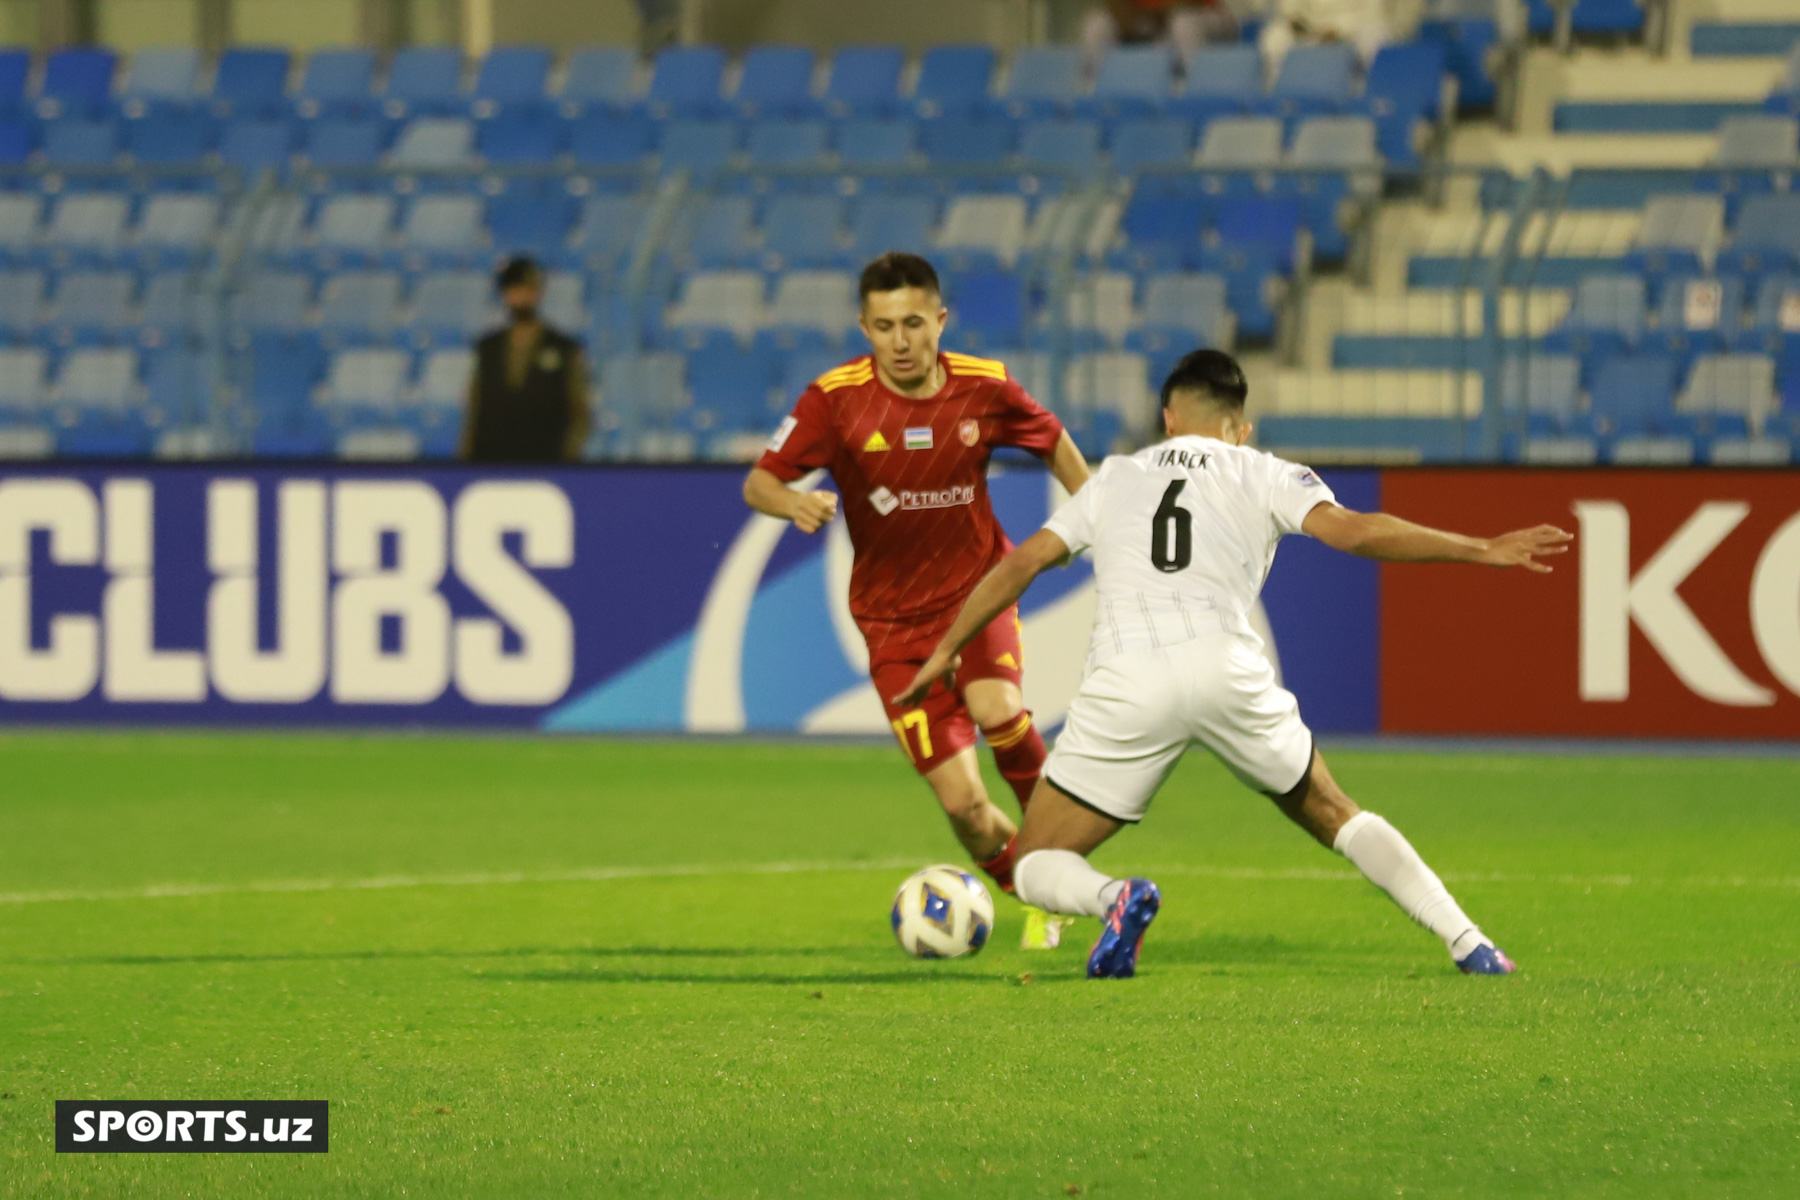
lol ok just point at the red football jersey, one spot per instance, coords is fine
(912, 481)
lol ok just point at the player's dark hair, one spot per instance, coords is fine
(518, 270)
(1212, 372)
(895, 270)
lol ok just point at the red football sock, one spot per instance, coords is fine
(1000, 867)
(1019, 753)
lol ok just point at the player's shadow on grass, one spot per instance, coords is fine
(923, 974)
(672, 952)
(1230, 949)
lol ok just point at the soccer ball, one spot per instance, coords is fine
(942, 912)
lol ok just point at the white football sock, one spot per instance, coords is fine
(1061, 881)
(1391, 864)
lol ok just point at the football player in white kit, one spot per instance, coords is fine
(1183, 535)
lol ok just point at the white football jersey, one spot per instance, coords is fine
(1183, 535)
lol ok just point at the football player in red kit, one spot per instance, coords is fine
(906, 433)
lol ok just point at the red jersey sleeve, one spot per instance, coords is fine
(804, 441)
(1025, 423)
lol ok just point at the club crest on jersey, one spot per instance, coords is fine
(918, 437)
(876, 443)
(883, 501)
(969, 431)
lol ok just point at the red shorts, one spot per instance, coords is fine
(941, 728)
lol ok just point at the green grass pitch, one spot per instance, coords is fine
(537, 968)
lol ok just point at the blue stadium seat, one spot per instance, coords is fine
(1314, 80)
(876, 142)
(1602, 17)
(716, 232)
(1071, 144)
(604, 139)
(519, 138)
(609, 228)
(344, 142)
(1151, 142)
(1767, 238)
(1253, 244)
(178, 225)
(953, 80)
(530, 221)
(1182, 305)
(603, 77)
(435, 143)
(1466, 38)
(1695, 316)
(159, 77)
(444, 228)
(360, 306)
(776, 82)
(338, 81)
(787, 142)
(451, 307)
(882, 223)
(966, 141)
(18, 138)
(354, 222)
(1678, 234)
(168, 138)
(169, 308)
(251, 81)
(730, 387)
(1161, 230)
(1332, 144)
(1607, 318)
(1043, 81)
(803, 230)
(1132, 81)
(77, 81)
(810, 308)
(715, 307)
(98, 378)
(424, 81)
(24, 378)
(91, 222)
(1404, 88)
(367, 378)
(987, 310)
(1632, 395)
(15, 73)
(256, 145)
(92, 305)
(699, 146)
(20, 214)
(563, 305)
(1545, 387)
(81, 142)
(21, 302)
(274, 302)
(685, 82)
(864, 81)
(511, 76)
(1220, 81)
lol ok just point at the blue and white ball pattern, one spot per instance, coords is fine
(942, 912)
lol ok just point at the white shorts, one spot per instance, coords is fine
(1138, 712)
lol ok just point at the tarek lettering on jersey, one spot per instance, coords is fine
(1188, 460)
(918, 437)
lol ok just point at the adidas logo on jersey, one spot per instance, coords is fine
(876, 443)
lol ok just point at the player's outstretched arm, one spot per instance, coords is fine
(1068, 464)
(998, 591)
(810, 511)
(1392, 539)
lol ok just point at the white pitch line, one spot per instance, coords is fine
(165, 891)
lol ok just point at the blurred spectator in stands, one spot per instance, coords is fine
(528, 393)
(1362, 23)
(659, 24)
(1185, 24)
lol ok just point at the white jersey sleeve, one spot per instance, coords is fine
(1077, 522)
(1294, 491)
